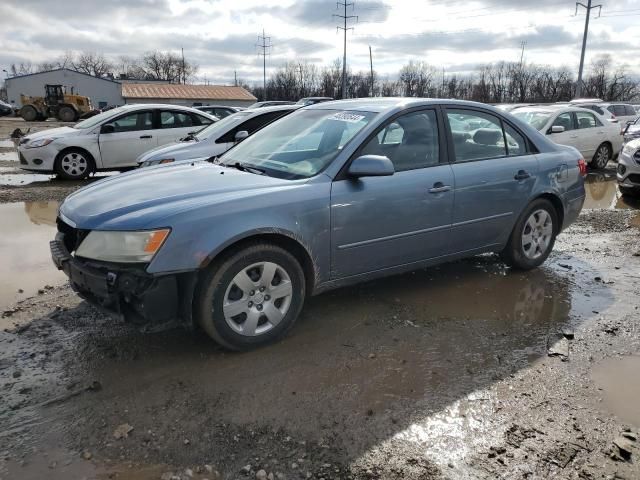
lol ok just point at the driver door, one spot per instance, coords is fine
(384, 222)
(132, 135)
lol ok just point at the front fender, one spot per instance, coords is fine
(198, 236)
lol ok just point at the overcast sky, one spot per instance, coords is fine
(220, 35)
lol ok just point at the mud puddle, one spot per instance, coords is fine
(25, 265)
(9, 156)
(619, 379)
(603, 193)
(16, 179)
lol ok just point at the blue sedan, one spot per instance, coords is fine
(333, 194)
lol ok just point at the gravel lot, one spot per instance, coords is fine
(465, 371)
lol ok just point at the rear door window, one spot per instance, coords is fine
(586, 120)
(175, 119)
(619, 110)
(476, 135)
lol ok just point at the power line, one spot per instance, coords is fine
(264, 43)
(588, 8)
(344, 28)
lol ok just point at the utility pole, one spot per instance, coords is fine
(235, 78)
(442, 82)
(522, 45)
(265, 45)
(371, 64)
(184, 75)
(588, 7)
(344, 28)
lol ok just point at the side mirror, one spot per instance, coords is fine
(556, 129)
(371, 166)
(107, 128)
(241, 135)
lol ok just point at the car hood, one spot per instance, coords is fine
(54, 133)
(182, 151)
(146, 198)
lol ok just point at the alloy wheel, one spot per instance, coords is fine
(537, 234)
(257, 299)
(602, 156)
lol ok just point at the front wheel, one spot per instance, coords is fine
(251, 297)
(533, 236)
(67, 114)
(74, 164)
(601, 157)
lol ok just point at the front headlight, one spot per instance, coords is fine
(150, 163)
(126, 247)
(41, 142)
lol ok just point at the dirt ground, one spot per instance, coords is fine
(465, 371)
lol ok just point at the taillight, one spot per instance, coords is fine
(582, 165)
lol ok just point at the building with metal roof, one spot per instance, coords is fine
(188, 95)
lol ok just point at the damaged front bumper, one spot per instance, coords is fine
(127, 291)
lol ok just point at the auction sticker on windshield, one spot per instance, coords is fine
(347, 117)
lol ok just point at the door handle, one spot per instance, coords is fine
(146, 136)
(439, 187)
(522, 175)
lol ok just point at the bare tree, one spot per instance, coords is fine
(92, 63)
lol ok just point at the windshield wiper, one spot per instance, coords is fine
(243, 167)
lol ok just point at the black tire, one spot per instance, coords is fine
(218, 279)
(601, 157)
(67, 114)
(514, 253)
(29, 113)
(74, 164)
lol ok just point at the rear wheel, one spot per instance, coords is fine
(250, 298)
(29, 113)
(601, 157)
(67, 114)
(533, 236)
(74, 164)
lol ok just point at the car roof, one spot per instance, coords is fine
(213, 106)
(381, 104)
(263, 110)
(552, 109)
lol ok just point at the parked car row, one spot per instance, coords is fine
(591, 134)
(112, 140)
(324, 196)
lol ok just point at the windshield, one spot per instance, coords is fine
(97, 119)
(301, 144)
(536, 119)
(222, 126)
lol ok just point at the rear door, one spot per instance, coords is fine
(495, 170)
(176, 124)
(132, 135)
(590, 133)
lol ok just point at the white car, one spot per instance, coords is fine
(621, 112)
(216, 139)
(595, 138)
(112, 140)
(628, 172)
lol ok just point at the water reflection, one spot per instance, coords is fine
(603, 193)
(25, 260)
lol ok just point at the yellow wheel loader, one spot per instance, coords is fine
(56, 103)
